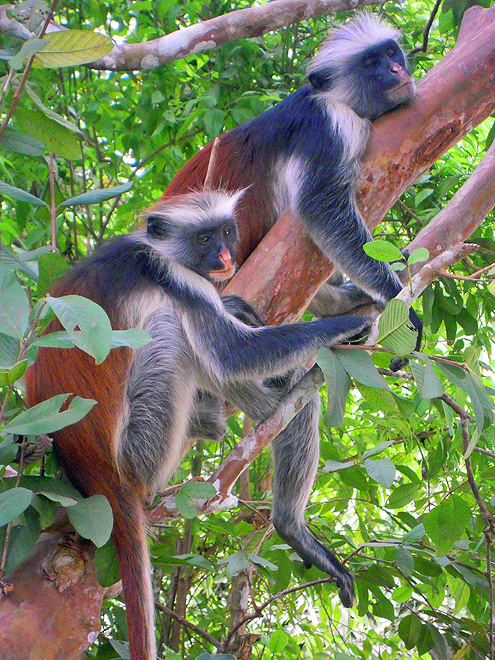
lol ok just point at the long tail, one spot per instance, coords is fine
(129, 536)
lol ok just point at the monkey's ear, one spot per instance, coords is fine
(320, 79)
(158, 226)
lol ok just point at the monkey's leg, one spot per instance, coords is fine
(207, 420)
(158, 404)
(296, 452)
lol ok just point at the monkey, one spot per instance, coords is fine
(161, 278)
(303, 155)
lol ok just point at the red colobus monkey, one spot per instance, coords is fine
(303, 155)
(151, 401)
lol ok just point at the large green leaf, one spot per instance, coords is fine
(92, 518)
(359, 365)
(73, 47)
(338, 386)
(381, 470)
(445, 523)
(45, 418)
(20, 195)
(21, 143)
(55, 137)
(51, 267)
(394, 332)
(13, 502)
(99, 195)
(383, 251)
(429, 385)
(74, 312)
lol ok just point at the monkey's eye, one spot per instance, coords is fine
(227, 231)
(204, 239)
(391, 52)
(370, 62)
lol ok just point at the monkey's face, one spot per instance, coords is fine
(381, 79)
(212, 250)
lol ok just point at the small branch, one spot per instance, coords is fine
(431, 270)
(259, 610)
(212, 163)
(192, 626)
(209, 34)
(426, 32)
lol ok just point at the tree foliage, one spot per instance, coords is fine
(408, 460)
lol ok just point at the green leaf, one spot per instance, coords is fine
(76, 311)
(21, 143)
(402, 495)
(51, 266)
(98, 195)
(421, 254)
(107, 566)
(410, 628)
(14, 502)
(134, 338)
(10, 376)
(9, 350)
(14, 306)
(338, 385)
(394, 332)
(185, 505)
(45, 418)
(198, 490)
(445, 524)
(61, 339)
(278, 641)
(28, 49)
(405, 560)
(20, 195)
(383, 251)
(429, 385)
(382, 471)
(92, 518)
(51, 113)
(402, 594)
(261, 561)
(359, 365)
(213, 121)
(55, 137)
(73, 47)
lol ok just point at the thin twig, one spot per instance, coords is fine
(426, 33)
(192, 626)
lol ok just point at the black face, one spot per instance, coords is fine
(208, 249)
(381, 79)
(212, 250)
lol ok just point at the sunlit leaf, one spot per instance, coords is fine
(73, 47)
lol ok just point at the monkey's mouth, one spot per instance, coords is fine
(224, 274)
(403, 92)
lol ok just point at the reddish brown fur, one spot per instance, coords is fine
(85, 453)
(254, 213)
